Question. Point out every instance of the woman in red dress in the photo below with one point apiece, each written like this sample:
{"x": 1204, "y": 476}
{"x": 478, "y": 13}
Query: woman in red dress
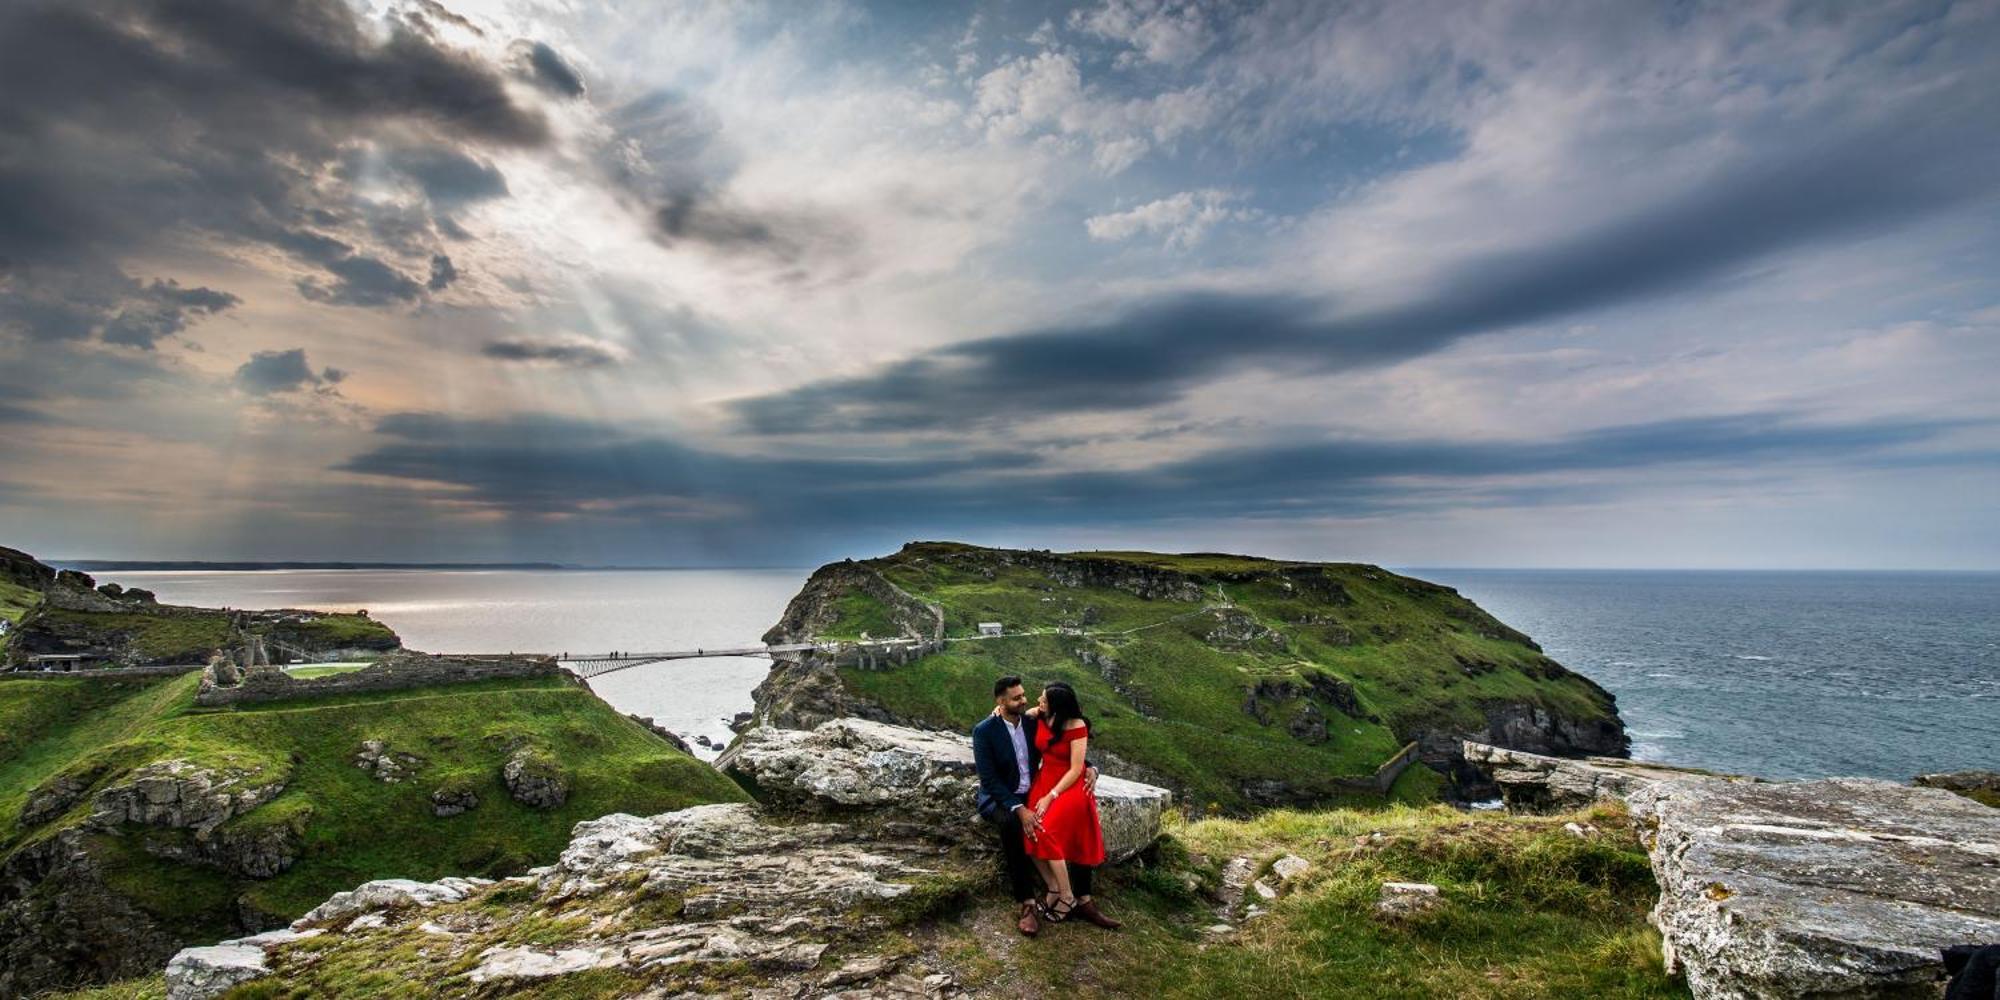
{"x": 1067, "y": 810}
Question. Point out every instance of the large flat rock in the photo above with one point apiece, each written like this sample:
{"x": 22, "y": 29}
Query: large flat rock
{"x": 855, "y": 768}
{"x": 1839, "y": 888}
{"x": 1846, "y": 887}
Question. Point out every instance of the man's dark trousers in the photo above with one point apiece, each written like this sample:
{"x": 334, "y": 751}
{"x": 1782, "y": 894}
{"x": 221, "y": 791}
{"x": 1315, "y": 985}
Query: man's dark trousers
{"x": 1014, "y": 850}
{"x": 1021, "y": 869}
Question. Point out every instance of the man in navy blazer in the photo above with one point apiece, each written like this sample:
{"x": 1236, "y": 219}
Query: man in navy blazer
{"x": 1004, "y": 752}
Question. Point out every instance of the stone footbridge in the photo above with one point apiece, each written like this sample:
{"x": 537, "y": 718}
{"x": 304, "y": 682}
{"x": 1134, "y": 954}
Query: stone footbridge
{"x": 868, "y": 652}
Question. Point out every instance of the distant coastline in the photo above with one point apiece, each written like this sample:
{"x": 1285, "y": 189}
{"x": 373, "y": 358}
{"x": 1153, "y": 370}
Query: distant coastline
{"x": 196, "y": 566}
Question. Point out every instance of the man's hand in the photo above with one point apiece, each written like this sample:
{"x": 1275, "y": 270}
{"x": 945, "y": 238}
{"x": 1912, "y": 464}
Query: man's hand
{"x": 1031, "y": 821}
{"x": 1090, "y": 780}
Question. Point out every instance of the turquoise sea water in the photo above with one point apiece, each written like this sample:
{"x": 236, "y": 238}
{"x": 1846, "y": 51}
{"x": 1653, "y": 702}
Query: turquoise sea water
{"x": 1777, "y": 674}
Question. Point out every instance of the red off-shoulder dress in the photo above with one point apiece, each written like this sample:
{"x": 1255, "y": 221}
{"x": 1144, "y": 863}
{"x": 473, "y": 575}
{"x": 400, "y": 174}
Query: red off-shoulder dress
{"x": 1070, "y": 829}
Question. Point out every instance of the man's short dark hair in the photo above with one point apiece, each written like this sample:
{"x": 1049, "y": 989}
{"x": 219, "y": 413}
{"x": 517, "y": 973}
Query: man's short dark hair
{"x": 1001, "y": 686}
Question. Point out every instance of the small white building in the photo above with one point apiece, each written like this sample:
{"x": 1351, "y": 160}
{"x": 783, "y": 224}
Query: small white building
{"x": 989, "y": 628}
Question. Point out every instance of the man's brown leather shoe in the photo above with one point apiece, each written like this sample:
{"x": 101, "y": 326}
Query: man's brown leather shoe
{"x": 1030, "y": 924}
{"x": 1090, "y": 912}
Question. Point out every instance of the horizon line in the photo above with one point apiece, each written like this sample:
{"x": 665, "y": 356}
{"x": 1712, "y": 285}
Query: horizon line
{"x": 257, "y": 565}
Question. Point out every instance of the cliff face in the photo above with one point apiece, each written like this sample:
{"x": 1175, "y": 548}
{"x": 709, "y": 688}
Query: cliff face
{"x": 1237, "y": 682}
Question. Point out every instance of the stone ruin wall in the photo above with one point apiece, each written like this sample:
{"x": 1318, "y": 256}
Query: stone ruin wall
{"x": 393, "y": 674}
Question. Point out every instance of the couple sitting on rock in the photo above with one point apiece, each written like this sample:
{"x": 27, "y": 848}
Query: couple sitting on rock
{"x": 1038, "y": 790}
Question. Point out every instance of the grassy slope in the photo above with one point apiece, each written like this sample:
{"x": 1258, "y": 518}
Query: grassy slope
{"x": 354, "y": 827}
{"x": 1529, "y": 913}
{"x": 1398, "y": 642}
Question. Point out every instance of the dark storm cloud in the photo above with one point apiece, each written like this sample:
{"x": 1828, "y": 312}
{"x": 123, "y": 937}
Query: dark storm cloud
{"x": 568, "y": 354}
{"x": 362, "y": 281}
{"x": 449, "y": 177}
{"x": 124, "y": 123}
{"x": 547, "y": 68}
{"x": 551, "y": 463}
{"x": 55, "y": 306}
{"x": 1820, "y": 192}
{"x": 548, "y": 464}
{"x": 270, "y": 372}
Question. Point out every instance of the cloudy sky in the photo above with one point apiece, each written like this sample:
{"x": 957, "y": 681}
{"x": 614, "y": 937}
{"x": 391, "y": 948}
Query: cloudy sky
{"x": 1510, "y": 283}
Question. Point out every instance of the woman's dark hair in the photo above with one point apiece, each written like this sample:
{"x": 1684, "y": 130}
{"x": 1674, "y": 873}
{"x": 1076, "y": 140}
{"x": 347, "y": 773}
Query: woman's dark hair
{"x": 1063, "y": 706}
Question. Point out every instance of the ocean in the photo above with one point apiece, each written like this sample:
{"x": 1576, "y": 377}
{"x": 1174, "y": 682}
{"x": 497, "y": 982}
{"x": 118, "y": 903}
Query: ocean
{"x": 1778, "y": 674}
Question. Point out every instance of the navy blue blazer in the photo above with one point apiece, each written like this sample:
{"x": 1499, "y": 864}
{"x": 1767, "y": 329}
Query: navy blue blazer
{"x": 993, "y": 756}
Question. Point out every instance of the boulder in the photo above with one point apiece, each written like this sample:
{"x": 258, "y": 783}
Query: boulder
{"x": 535, "y": 779}
{"x": 860, "y": 770}
{"x": 1401, "y": 900}
{"x": 200, "y": 973}
{"x": 388, "y": 894}
{"x": 388, "y": 766}
{"x": 1846, "y": 887}
{"x": 452, "y": 800}
{"x": 664, "y": 733}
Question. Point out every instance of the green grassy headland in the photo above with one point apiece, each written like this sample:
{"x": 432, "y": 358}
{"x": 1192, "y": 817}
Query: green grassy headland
{"x": 1218, "y": 694}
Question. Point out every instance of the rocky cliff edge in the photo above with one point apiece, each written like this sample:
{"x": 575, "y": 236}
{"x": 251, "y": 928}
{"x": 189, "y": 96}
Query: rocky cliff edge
{"x": 861, "y": 829}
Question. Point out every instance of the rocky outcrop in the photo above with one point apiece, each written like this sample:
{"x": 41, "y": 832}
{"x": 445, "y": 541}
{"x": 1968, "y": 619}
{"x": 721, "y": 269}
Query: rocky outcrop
{"x": 180, "y": 794}
{"x": 1979, "y": 786}
{"x": 1537, "y": 783}
{"x": 535, "y": 779}
{"x": 60, "y": 922}
{"x": 1526, "y": 727}
{"x": 1836, "y": 888}
{"x": 816, "y": 607}
{"x": 662, "y": 732}
{"x": 388, "y": 766}
{"x": 454, "y": 798}
{"x": 197, "y": 973}
{"x": 863, "y": 828}
{"x": 895, "y": 777}
{"x": 1844, "y": 887}
{"x": 805, "y": 690}
{"x": 389, "y": 894}
{"x": 25, "y": 570}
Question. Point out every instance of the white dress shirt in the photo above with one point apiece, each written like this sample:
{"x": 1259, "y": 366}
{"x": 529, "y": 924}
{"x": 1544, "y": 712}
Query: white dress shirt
{"x": 1016, "y": 733}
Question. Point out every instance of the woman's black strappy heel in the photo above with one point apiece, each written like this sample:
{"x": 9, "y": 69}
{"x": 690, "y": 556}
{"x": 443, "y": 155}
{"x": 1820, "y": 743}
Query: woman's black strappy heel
{"x": 1059, "y": 910}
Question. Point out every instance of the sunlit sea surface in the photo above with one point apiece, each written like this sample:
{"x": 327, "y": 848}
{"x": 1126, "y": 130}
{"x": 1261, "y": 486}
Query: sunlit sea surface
{"x": 1778, "y": 674}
